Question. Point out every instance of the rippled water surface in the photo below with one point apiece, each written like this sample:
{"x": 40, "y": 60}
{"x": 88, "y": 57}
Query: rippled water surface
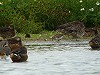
{"x": 50, "y": 58}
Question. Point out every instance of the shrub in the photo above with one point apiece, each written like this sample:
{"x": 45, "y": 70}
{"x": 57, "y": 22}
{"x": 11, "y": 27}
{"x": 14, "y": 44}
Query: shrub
{"x": 32, "y": 16}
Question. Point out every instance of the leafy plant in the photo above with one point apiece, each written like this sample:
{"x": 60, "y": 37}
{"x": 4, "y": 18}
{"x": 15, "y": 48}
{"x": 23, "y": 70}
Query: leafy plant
{"x": 33, "y": 16}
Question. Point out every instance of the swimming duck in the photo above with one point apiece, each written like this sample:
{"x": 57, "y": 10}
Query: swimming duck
{"x": 19, "y": 54}
{"x": 18, "y": 51}
{"x": 95, "y": 42}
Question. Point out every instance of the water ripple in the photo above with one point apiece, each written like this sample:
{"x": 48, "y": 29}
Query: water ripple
{"x": 67, "y": 58}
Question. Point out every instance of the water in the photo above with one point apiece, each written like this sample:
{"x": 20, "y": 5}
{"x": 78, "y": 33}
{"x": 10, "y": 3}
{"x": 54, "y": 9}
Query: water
{"x": 63, "y": 58}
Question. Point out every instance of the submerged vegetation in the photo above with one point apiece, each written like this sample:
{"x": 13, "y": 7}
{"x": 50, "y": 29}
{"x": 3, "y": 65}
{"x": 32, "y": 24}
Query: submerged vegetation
{"x": 34, "y": 16}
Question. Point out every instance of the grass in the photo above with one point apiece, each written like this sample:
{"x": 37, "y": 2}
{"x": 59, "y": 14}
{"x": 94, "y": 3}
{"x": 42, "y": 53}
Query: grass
{"x": 45, "y": 36}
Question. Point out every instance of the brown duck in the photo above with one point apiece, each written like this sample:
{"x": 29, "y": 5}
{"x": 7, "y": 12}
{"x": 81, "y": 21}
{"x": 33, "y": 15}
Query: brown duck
{"x": 18, "y": 53}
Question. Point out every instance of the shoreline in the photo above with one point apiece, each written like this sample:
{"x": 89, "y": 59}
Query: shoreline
{"x": 50, "y": 43}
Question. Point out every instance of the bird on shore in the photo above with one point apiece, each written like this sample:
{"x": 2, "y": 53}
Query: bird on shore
{"x": 27, "y": 35}
{"x": 57, "y": 37}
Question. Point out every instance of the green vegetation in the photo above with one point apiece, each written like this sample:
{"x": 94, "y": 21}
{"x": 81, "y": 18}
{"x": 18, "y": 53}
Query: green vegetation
{"x": 46, "y": 36}
{"x": 43, "y": 36}
{"x": 34, "y": 16}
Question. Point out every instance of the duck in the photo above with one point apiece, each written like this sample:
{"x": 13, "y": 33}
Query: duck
{"x": 2, "y": 55}
{"x": 95, "y": 42}
{"x": 18, "y": 54}
{"x": 27, "y": 35}
{"x": 57, "y": 37}
{"x": 4, "y": 48}
{"x": 18, "y": 51}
